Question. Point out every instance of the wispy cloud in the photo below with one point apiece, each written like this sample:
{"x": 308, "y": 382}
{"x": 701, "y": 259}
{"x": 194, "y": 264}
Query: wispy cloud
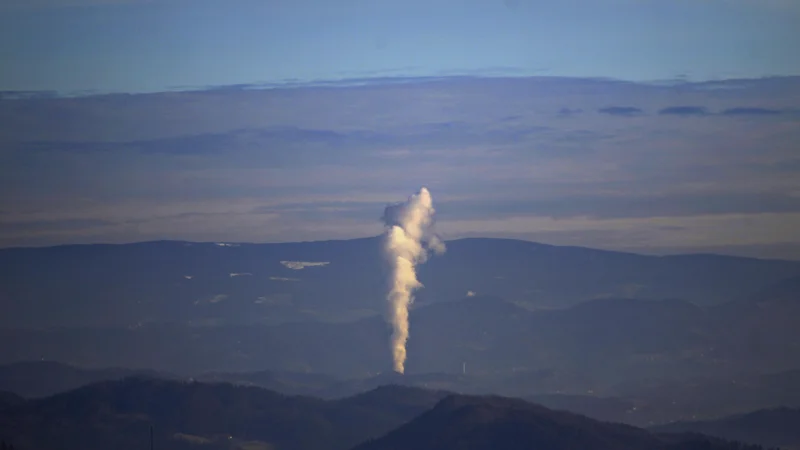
{"x": 684, "y": 111}
{"x": 750, "y": 111}
{"x": 627, "y": 111}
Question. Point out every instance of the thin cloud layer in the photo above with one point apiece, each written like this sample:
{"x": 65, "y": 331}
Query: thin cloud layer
{"x": 684, "y": 111}
{"x": 626, "y": 111}
{"x": 750, "y": 111}
{"x": 506, "y": 157}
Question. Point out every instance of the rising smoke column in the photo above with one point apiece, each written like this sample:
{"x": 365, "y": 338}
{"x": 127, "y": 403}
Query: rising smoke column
{"x": 408, "y": 237}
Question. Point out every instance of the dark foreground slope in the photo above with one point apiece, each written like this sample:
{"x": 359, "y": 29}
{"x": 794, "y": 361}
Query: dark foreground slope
{"x": 193, "y": 415}
{"x": 10, "y": 399}
{"x": 118, "y": 415}
{"x": 774, "y": 427}
{"x": 477, "y": 423}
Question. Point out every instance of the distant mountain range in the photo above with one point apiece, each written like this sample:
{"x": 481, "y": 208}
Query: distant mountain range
{"x": 595, "y": 345}
{"x": 133, "y": 285}
{"x": 118, "y": 414}
{"x": 639, "y": 405}
{"x": 289, "y": 383}
{"x": 620, "y": 337}
{"x": 190, "y": 415}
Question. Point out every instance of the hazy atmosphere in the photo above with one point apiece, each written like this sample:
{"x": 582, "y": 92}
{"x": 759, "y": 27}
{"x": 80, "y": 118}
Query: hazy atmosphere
{"x": 604, "y": 163}
{"x": 382, "y": 225}
{"x": 654, "y": 143}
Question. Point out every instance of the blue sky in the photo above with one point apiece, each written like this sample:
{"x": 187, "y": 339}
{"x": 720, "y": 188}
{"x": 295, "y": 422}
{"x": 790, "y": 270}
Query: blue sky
{"x": 135, "y": 46}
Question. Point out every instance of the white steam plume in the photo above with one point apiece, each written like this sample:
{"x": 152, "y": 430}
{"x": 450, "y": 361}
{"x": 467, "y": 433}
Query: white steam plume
{"x": 408, "y": 237}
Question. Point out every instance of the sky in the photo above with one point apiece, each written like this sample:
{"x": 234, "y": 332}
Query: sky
{"x": 636, "y": 125}
{"x": 75, "y": 46}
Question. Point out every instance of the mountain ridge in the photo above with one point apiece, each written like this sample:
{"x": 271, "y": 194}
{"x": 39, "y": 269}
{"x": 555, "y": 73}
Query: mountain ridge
{"x": 127, "y": 285}
{"x": 119, "y": 413}
{"x": 491, "y": 422}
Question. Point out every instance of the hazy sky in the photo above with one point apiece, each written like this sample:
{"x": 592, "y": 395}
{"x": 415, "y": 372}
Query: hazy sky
{"x": 118, "y": 45}
{"x": 565, "y": 157}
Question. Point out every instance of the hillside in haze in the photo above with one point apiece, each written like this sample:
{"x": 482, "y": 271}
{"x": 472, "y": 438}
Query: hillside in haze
{"x": 9, "y": 399}
{"x": 289, "y": 383}
{"x": 643, "y": 403}
{"x": 769, "y": 427}
{"x": 45, "y": 378}
{"x": 477, "y": 423}
{"x": 133, "y": 285}
{"x": 693, "y": 399}
{"x": 598, "y": 346}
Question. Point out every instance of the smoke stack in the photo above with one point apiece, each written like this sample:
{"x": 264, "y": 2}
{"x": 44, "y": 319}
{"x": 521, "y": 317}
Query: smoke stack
{"x": 407, "y": 236}
{"x": 151, "y": 437}
{"x": 464, "y": 368}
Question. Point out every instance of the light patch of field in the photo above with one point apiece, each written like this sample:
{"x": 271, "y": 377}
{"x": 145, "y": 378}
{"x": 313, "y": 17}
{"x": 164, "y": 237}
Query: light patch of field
{"x": 215, "y": 299}
{"x": 300, "y": 265}
{"x": 348, "y": 315}
{"x": 192, "y": 439}
{"x": 275, "y": 299}
{"x": 255, "y": 445}
{"x": 283, "y": 279}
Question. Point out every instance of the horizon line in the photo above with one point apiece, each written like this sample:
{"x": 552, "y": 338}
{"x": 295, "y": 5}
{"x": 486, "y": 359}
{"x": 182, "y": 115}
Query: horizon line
{"x": 365, "y": 81}
{"x": 495, "y": 238}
